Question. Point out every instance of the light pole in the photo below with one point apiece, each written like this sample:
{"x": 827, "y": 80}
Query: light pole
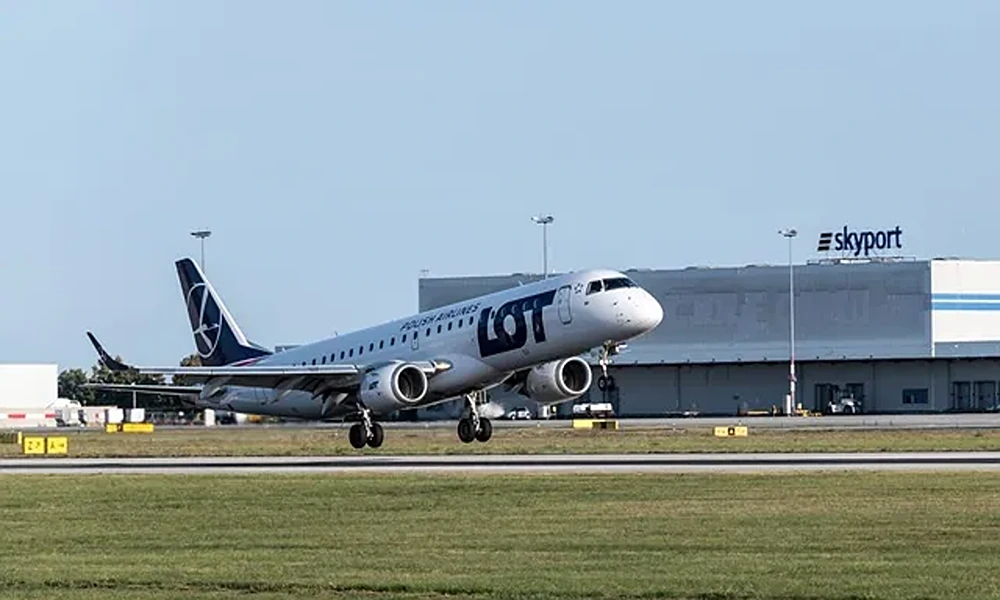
{"x": 201, "y": 234}
{"x": 544, "y": 221}
{"x": 208, "y": 416}
{"x": 790, "y": 234}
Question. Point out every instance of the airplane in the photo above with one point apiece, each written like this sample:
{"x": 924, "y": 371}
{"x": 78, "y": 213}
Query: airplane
{"x": 528, "y": 338}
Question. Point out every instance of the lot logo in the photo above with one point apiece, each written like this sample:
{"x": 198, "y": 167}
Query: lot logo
{"x": 858, "y": 242}
{"x": 504, "y": 340}
{"x": 205, "y": 312}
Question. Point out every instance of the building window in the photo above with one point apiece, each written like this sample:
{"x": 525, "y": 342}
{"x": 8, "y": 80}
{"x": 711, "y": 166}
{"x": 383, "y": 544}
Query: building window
{"x": 915, "y": 396}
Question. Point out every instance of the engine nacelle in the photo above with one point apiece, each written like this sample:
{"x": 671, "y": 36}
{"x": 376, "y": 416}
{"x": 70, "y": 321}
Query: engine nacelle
{"x": 558, "y": 381}
{"x": 393, "y": 387}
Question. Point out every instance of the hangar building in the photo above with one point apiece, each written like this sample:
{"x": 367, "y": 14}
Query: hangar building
{"x": 900, "y": 335}
{"x": 27, "y": 394}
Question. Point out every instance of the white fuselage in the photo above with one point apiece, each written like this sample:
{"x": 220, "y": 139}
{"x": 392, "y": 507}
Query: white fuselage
{"x": 484, "y": 340}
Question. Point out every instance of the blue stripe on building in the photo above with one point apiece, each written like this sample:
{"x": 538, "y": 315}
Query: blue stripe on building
{"x": 966, "y": 306}
{"x": 965, "y": 297}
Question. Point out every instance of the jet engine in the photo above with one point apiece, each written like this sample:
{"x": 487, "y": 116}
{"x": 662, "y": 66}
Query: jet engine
{"x": 393, "y": 387}
{"x": 558, "y": 381}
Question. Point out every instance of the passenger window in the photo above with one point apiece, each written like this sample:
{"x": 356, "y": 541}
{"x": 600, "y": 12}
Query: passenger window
{"x": 460, "y": 322}
{"x": 449, "y": 325}
{"x": 381, "y": 344}
{"x": 351, "y": 353}
{"x": 594, "y": 287}
{"x": 439, "y": 329}
{"x": 392, "y": 341}
{"x": 361, "y": 350}
{"x": 314, "y": 361}
{"x": 371, "y": 346}
{"x": 324, "y": 359}
{"x": 428, "y": 331}
{"x": 404, "y": 337}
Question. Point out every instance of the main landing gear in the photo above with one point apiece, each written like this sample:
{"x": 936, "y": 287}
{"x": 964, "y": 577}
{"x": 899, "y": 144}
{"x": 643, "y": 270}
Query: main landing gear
{"x": 366, "y": 432}
{"x": 605, "y": 382}
{"x": 474, "y": 427}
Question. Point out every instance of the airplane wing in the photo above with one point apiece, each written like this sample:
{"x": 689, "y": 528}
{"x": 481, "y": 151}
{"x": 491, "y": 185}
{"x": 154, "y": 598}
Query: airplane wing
{"x": 162, "y": 389}
{"x": 316, "y": 379}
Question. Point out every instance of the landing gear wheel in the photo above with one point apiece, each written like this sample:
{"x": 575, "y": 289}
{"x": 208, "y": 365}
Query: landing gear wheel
{"x": 377, "y": 436}
{"x": 485, "y": 430}
{"x": 357, "y": 435}
{"x": 466, "y": 430}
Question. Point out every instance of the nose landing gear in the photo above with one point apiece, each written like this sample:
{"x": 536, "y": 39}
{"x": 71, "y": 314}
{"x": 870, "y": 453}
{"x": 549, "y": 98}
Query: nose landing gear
{"x": 605, "y": 382}
{"x": 474, "y": 427}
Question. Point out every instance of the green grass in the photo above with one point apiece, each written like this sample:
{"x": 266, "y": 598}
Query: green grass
{"x": 820, "y": 536}
{"x": 250, "y": 441}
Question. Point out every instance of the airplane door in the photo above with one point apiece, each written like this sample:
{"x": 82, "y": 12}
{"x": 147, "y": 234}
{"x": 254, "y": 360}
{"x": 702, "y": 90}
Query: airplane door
{"x": 415, "y": 344}
{"x": 562, "y": 298}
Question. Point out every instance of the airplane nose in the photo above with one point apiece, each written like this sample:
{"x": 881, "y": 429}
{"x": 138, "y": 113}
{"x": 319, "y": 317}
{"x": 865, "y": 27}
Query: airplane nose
{"x": 648, "y": 313}
{"x": 652, "y": 312}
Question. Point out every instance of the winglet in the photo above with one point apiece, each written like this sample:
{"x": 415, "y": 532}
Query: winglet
{"x": 106, "y": 359}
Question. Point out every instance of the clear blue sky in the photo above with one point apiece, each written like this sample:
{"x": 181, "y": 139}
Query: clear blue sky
{"x": 338, "y": 148}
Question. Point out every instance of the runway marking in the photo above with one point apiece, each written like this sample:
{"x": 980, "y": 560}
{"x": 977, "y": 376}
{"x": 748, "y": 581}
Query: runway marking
{"x": 743, "y": 462}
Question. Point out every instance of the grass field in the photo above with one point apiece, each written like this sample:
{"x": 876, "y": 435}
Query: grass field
{"x": 277, "y": 441}
{"x": 819, "y": 536}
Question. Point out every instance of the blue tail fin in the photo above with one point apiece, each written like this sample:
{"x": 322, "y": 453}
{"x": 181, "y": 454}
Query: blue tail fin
{"x": 217, "y": 338}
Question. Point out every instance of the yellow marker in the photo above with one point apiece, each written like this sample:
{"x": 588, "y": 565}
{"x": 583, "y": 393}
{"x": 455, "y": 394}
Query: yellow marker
{"x": 137, "y": 428}
{"x": 34, "y": 445}
{"x": 731, "y": 431}
{"x": 111, "y": 428}
{"x": 56, "y": 445}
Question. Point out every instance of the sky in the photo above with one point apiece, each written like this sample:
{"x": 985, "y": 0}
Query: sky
{"x": 336, "y": 149}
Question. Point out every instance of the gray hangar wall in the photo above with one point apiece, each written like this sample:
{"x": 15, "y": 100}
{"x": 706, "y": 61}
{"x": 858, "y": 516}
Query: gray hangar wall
{"x": 724, "y": 341}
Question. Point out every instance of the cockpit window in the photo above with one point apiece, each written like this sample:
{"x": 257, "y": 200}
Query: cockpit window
{"x": 618, "y": 282}
{"x": 594, "y": 287}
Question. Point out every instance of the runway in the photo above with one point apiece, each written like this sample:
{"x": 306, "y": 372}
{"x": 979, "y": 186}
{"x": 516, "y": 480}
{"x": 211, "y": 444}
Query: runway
{"x": 828, "y": 422}
{"x": 572, "y": 463}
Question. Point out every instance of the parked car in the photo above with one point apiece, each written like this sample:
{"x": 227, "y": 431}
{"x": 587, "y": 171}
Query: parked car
{"x": 518, "y": 414}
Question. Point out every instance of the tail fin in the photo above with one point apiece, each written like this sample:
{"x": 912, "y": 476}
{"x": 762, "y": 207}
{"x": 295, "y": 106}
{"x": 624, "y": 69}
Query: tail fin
{"x": 217, "y": 338}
